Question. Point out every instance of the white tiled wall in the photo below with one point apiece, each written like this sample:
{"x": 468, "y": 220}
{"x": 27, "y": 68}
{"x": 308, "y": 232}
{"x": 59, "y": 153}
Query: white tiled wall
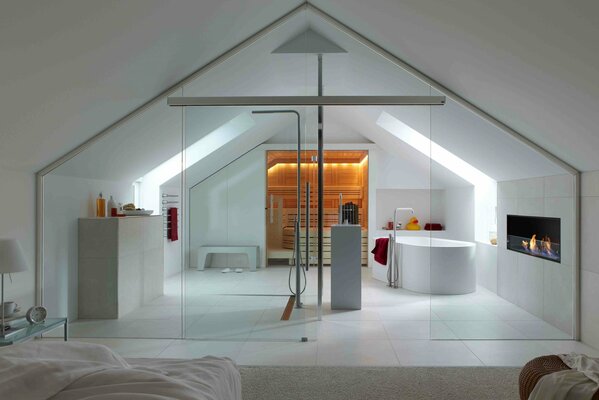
{"x": 589, "y": 296}
{"x": 543, "y": 288}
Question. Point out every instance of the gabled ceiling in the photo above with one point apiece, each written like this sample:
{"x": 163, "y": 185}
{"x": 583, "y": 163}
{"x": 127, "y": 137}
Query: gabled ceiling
{"x": 534, "y": 65}
{"x": 71, "y": 68}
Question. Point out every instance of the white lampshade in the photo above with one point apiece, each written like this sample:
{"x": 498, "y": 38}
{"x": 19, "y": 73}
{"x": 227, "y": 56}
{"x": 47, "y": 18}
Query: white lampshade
{"x": 11, "y": 257}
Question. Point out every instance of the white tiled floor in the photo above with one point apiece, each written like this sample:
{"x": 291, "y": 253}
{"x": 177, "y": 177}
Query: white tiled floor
{"x": 351, "y": 352}
{"x": 229, "y": 315}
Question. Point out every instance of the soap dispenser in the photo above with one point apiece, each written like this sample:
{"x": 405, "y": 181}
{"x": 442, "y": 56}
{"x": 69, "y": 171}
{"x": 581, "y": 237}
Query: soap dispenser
{"x": 112, "y": 207}
{"x": 100, "y": 206}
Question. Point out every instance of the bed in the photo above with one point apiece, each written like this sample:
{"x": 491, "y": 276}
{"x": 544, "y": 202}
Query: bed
{"x": 573, "y": 376}
{"x": 76, "y": 370}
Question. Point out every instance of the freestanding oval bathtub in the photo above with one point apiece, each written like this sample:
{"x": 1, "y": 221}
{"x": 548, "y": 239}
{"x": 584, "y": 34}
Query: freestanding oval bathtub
{"x": 437, "y": 266}
{"x": 433, "y": 265}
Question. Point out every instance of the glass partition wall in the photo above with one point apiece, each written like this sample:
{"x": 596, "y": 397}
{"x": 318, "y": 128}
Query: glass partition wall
{"x": 247, "y": 178}
{"x": 502, "y": 267}
{"x": 234, "y": 199}
{"x": 111, "y": 240}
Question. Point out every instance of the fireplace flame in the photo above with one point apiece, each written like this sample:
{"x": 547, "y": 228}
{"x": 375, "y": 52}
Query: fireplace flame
{"x": 533, "y": 244}
{"x": 539, "y": 247}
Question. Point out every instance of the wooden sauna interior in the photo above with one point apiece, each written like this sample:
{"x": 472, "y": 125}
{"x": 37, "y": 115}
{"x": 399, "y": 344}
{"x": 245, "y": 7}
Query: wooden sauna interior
{"x": 345, "y": 172}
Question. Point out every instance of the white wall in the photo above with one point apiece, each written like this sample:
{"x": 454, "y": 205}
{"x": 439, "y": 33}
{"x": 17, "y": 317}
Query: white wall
{"x": 428, "y": 205}
{"x": 397, "y": 173}
{"x": 486, "y": 266}
{"x": 589, "y": 262}
{"x": 66, "y": 199}
{"x": 459, "y": 213}
{"x": 17, "y": 220}
{"x": 544, "y": 288}
{"x": 229, "y": 209}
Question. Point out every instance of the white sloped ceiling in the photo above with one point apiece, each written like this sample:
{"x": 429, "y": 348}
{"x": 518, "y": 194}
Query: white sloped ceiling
{"x": 72, "y": 68}
{"x": 534, "y": 64}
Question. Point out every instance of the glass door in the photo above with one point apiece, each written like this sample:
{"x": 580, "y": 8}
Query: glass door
{"x": 247, "y": 173}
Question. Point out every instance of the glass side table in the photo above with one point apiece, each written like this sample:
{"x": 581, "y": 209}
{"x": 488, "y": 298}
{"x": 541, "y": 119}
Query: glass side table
{"x": 30, "y": 331}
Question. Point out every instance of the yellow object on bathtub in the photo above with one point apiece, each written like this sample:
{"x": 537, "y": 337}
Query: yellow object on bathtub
{"x": 413, "y": 224}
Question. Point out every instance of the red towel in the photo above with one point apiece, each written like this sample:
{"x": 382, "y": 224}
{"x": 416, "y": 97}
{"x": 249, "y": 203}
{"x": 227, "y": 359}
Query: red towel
{"x": 173, "y": 224}
{"x": 380, "y": 250}
{"x": 433, "y": 227}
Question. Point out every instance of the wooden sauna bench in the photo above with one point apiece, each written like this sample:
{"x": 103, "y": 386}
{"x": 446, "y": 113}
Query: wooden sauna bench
{"x": 288, "y": 236}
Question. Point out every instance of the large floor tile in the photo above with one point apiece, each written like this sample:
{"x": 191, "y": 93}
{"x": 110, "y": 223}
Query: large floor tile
{"x": 441, "y": 331}
{"x": 285, "y": 330}
{"x": 408, "y": 329}
{"x": 100, "y": 328}
{"x": 406, "y": 312}
{"x": 278, "y": 353}
{"x": 156, "y": 312}
{"x": 506, "y": 353}
{"x": 156, "y": 329}
{"x": 351, "y": 330}
{"x": 356, "y": 353}
{"x": 569, "y": 346}
{"x": 471, "y": 312}
{"x": 484, "y": 330}
{"x": 510, "y": 312}
{"x": 538, "y": 330}
{"x": 215, "y": 328}
{"x": 434, "y": 353}
{"x": 132, "y": 348}
{"x": 365, "y": 314}
{"x": 199, "y": 348}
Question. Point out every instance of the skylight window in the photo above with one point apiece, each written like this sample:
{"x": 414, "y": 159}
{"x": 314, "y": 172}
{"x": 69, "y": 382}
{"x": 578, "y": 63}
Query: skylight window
{"x": 200, "y": 149}
{"x": 432, "y": 150}
{"x": 148, "y": 195}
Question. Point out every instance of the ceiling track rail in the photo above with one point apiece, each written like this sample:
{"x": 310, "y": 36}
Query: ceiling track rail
{"x": 306, "y": 101}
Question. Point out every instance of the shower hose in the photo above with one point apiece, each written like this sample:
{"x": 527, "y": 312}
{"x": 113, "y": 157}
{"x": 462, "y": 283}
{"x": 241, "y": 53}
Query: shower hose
{"x": 299, "y": 265}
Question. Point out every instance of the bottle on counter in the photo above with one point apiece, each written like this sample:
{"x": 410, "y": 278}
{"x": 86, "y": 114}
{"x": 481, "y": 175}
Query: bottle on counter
{"x": 112, "y": 207}
{"x": 100, "y": 206}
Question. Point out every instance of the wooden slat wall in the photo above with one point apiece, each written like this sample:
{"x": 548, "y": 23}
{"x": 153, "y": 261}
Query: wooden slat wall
{"x": 350, "y": 179}
{"x": 345, "y": 172}
{"x": 288, "y": 238}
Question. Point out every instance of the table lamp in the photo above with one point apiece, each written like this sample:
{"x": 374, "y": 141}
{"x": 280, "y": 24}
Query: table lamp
{"x": 11, "y": 260}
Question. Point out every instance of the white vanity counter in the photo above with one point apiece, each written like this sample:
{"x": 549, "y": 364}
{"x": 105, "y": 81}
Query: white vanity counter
{"x": 121, "y": 264}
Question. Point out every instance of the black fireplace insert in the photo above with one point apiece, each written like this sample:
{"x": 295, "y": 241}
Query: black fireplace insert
{"x": 534, "y": 236}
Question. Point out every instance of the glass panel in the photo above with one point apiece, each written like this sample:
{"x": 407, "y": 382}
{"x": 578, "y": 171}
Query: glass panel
{"x": 257, "y": 71}
{"x": 117, "y": 276}
{"x": 492, "y": 289}
{"x": 242, "y": 178}
{"x": 401, "y": 171}
{"x": 283, "y": 63}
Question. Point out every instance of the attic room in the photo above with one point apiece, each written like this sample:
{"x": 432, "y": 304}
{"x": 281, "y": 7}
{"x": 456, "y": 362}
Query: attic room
{"x": 305, "y": 197}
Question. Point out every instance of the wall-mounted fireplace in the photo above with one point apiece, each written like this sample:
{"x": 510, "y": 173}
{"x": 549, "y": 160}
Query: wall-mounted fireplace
{"x": 535, "y": 236}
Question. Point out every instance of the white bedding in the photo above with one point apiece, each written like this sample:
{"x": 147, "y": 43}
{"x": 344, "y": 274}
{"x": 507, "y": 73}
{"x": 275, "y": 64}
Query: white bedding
{"x": 75, "y": 370}
{"x": 580, "y": 382}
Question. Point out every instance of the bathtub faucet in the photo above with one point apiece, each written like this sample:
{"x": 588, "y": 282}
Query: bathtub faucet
{"x": 411, "y": 210}
{"x": 393, "y": 273}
